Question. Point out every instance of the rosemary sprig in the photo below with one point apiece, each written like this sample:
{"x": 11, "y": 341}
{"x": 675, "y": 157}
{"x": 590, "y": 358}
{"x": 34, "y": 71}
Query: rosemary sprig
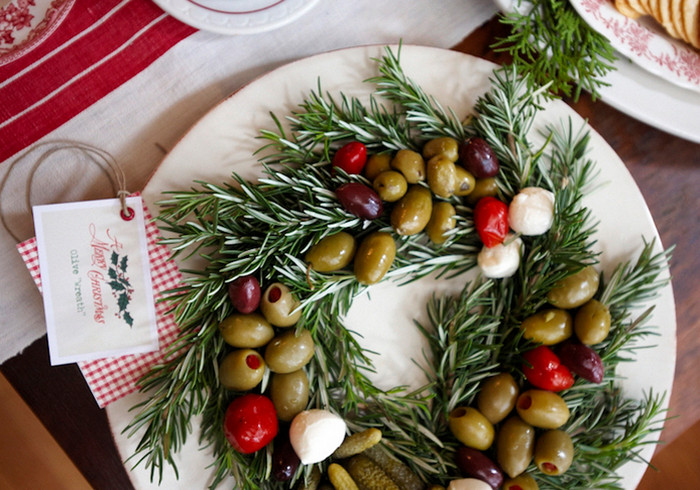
{"x": 550, "y": 42}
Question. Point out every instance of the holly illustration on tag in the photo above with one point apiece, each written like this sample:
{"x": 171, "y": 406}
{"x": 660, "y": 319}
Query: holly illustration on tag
{"x": 121, "y": 287}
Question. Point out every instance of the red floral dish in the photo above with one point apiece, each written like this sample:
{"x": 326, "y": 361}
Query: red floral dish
{"x": 24, "y": 24}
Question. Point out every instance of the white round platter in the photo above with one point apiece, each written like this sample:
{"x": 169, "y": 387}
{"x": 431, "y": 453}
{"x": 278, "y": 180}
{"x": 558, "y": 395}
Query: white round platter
{"x": 224, "y": 141}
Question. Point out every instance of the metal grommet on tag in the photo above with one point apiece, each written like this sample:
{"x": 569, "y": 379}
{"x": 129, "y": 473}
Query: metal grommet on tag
{"x": 128, "y": 214}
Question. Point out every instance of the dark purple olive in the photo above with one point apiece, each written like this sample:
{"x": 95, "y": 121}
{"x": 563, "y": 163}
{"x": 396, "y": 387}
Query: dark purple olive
{"x": 284, "y": 460}
{"x": 583, "y": 361}
{"x": 360, "y": 200}
{"x": 474, "y": 464}
{"x": 477, "y": 157}
{"x": 245, "y": 294}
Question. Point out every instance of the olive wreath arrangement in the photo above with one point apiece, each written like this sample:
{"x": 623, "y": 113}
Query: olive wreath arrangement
{"x": 516, "y": 383}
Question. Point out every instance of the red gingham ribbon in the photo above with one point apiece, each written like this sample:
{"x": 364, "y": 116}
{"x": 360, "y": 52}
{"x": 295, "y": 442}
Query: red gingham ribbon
{"x": 114, "y": 377}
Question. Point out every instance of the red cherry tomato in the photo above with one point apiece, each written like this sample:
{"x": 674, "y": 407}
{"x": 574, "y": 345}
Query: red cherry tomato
{"x": 250, "y": 423}
{"x": 351, "y": 157}
{"x": 543, "y": 369}
{"x": 491, "y": 220}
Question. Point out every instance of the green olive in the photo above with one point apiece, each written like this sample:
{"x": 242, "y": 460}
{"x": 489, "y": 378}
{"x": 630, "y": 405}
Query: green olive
{"x": 441, "y": 221}
{"x": 446, "y": 146}
{"x": 592, "y": 322}
{"x": 279, "y": 306}
{"x": 241, "y": 370}
{"x": 543, "y": 409}
{"x": 464, "y": 183}
{"x": 376, "y": 164}
{"x": 332, "y": 252}
{"x": 497, "y": 397}
{"x": 515, "y": 446}
{"x": 521, "y": 482}
{"x": 289, "y": 393}
{"x": 410, "y": 164}
{"x": 471, "y": 428}
{"x": 575, "y": 290}
{"x": 390, "y": 185}
{"x": 374, "y": 257}
{"x": 289, "y": 351}
{"x": 548, "y": 327}
{"x": 246, "y": 330}
{"x": 412, "y": 213}
{"x": 554, "y": 452}
{"x": 442, "y": 176}
{"x": 482, "y": 188}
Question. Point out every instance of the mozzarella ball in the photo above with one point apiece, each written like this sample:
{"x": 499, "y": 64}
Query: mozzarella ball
{"x": 315, "y": 434}
{"x": 468, "y": 484}
{"x": 502, "y": 260}
{"x": 531, "y": 212}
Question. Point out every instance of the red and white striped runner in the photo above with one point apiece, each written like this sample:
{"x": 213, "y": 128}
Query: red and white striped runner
{"x": 97, "y": 47}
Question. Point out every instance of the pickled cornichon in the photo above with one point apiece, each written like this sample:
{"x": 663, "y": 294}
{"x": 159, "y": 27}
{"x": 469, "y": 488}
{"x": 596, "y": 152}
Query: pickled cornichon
{"x": 367, "y": 474}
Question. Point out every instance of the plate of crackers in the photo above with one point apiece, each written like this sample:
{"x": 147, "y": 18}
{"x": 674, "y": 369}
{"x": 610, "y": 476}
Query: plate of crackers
{"x": 661, "y": 36}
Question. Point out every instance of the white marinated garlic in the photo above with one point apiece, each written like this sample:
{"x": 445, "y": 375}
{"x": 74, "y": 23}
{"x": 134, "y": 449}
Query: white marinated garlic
{"x": 531, "y": 212}
{"x": 315, "y": 434}
{"x": 501, "y": 260}
{"x": 468, "y": 484}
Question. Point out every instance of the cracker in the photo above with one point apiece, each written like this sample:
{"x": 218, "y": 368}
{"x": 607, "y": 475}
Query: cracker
{"x": 691, "y": 21}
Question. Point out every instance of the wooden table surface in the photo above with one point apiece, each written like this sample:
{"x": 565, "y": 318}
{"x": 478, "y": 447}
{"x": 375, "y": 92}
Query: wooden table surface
{"x": 667, "y": 170}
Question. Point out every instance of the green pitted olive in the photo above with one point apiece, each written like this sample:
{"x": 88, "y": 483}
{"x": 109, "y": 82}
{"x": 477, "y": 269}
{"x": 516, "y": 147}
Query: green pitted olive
{"x": 548, "y": 327}
{"x": 241, "y": 370}
{"x": 279, "y": 306}
{"x": 522, "y": 482}
{"x": 446, "y": 146}
{"x": 332, "y": 252}
{"x": 464, "y": 183}
{"x": 497, "y": 396}
{"x": 376, "y": 164}
{"x": 441, "y": 221}
{"x": 554, "y": 452}
{"x": 543, "y": 409}
{"x": 390, "y": 185}
{"x": 442, "y": 176}
{"x": 471, "y": 428}
{"x": 410, "y": 164}
{"x": 246, "y": 330}
{"x": 289, "y": 393}
{"x": 515, "y": 446}
{"x": 289, "y": 351}
{"x": 574, "y": 290}
{"x": 374, "y": 257}
{"x": 412, "y": 213}
{"x": 592, "y": 322}
{"x": 482, "y": 188}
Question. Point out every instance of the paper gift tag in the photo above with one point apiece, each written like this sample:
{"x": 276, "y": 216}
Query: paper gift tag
{"x": 98, "y": 296}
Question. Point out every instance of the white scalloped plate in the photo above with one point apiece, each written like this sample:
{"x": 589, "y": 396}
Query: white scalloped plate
{"x": 644, "y": 42}
{"x": 236, "y": 16}
{"x": 224, "y": 142}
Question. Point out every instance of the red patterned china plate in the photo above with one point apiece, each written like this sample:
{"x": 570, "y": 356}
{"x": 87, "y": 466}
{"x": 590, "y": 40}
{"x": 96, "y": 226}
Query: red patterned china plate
{"x": 24, "y": 24}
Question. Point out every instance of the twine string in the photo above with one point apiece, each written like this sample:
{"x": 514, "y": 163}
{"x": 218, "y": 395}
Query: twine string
{"x": 102, "y": 159}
